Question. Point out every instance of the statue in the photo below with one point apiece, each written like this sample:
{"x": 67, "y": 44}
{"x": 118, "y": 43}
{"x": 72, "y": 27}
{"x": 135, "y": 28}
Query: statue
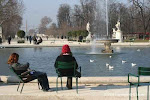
{"x": 118, "y": 25}
{"x": 89, "y": 37}
{"x": 117, "y": 34}
{"x": 0, "y": 31}
{"x": 114, "y": 33}
{"x": 88, "y": 27}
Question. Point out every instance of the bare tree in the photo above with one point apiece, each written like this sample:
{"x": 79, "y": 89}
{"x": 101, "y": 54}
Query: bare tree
{"x": 52, "y": 30}
{"x": 141, "y": 11}
{"x": 32, "y": 32}
{"x": 63, "y": 15}
{"x": 10, "y": 8}
{"x": 10, "y": 16}
{"x": 45, "y": 21}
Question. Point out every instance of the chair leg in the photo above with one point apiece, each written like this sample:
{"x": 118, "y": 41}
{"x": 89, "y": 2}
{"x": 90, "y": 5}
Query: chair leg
{"x": 22, "y": 88}
{"x": 130, "y": 93}
{"x": 38, "y": 85}
{"x": 137, "y": 92}
{"x": 57, "y": 84}
{"x": 77, "y": 85}
{"x": 18, "y": 86}
{"x": 61, "y": 83}
{"x": 148, "y": 92}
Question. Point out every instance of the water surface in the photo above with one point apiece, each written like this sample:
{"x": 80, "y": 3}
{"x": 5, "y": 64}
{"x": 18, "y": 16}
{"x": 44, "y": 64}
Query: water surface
{"x": 43, "y": 59}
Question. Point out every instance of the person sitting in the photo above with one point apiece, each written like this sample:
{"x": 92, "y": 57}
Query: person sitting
{"x": 66, "y": 56}
{"x": 34, "y": 40}
{"x": 39, "y": 40}
{"x": 26, "y": 73}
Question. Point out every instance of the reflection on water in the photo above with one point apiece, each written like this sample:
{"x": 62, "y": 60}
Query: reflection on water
{"x": 43, "y": 59}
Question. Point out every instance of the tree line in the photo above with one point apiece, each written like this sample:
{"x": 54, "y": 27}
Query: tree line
{"x": 133, "y": 15}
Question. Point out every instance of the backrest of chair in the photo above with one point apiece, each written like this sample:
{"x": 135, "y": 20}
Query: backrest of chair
{"x": 144, "y": 71}
{"x": 66, "y": 65}
{"x": 12, "y": 70}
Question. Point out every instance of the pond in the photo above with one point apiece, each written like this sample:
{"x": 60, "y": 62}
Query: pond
{"x": 43, "y": 59}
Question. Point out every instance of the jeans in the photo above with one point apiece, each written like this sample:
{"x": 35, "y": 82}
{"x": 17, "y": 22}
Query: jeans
{"x": 42, "y": 79}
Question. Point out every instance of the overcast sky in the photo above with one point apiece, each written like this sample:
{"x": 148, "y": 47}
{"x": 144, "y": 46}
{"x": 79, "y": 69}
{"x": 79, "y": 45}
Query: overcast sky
{"x": 37, "y": 9}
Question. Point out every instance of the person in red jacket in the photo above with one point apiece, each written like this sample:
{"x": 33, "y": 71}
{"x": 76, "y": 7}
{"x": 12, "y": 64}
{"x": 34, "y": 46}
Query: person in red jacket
{"x": 66, "y": 56}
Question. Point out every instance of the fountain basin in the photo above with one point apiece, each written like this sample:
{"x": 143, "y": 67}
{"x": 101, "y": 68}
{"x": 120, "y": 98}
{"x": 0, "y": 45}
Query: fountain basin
{"x": 107, "y": 41}
{"x": 107, "y": 44}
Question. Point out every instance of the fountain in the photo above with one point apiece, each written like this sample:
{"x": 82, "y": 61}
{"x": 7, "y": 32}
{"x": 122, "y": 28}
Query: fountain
{"x": 107, "y": 41}
{"x": 107, "y": 44}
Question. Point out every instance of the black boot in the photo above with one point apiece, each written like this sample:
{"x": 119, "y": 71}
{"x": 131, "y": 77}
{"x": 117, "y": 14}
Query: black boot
{"x": 69, "y": 83}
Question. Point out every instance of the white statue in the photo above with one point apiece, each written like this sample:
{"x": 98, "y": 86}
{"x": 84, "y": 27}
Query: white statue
{"x": 117, "y": 34}
{"x": 0, "y": 31}
{"x": 88, "y": 27}
{"x": 118, "y": 25}
{"x": 114, "y": 33}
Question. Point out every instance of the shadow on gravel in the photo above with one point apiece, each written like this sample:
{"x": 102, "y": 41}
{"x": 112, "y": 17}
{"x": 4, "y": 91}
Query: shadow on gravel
{"x": 7, "y": 84}
{"x": 106, "y": 87}
{"x": 74, "y": 87}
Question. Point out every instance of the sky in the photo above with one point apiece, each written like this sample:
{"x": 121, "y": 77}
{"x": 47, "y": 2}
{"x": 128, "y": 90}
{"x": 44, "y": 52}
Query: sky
{"x": 35, "y": 10}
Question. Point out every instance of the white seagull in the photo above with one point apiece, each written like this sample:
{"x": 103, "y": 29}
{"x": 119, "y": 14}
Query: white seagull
{"x": 91, "y": 60}
{"x": 133, "y": 64}
{"x": 107, "y": 64}
{"x": 138, "y": 50}
{"x": 123, "y": 61}
{"x": 111, "y": 67}
{"x": 110, "y": 56}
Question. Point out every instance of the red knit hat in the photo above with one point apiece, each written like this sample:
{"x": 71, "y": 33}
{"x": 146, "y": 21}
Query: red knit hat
{"x": 66, "y": 49}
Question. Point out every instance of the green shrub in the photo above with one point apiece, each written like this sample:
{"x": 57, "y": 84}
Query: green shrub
{"x": 71, "y": 40}
{"x": 84, "y": 40}
{"x": 75, "y": 34}
{"x": 21, "y": 41}
{"x": 21, "y": 33}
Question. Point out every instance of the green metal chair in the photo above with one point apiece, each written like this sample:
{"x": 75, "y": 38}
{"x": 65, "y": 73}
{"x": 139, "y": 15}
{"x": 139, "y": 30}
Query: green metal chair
{"x": 21, "y": 80}
{"x": 142, "y": 71}
{"x": 66, "y": 66}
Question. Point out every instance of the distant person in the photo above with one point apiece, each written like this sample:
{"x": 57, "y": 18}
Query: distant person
{"x": 80, "y": 38}
{"x": 30, "y": 39}
{"x": 34, "y": 40}
{"x": 9, "y": 39}
{"x": 0, "y": 40}
{"x": 39, "y": 40}
{"x": 62, "y": 37}
{"x": 19, "y": 69}
{"x": 58, "y": 37}
{"x": 27, "y": 37}
{"x": 47, "y": 37}
{"x": 66, "y": 56}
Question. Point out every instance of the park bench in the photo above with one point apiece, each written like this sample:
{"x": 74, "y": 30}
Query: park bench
{"x": 22, "y": 79}
{"x": 65, "y": 66}
{"x": 142, "y": 71}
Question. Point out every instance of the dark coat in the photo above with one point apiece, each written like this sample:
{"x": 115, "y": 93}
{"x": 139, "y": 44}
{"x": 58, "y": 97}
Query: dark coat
{"x": 66, "y": 58}
{"x": 20, "y": 68}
